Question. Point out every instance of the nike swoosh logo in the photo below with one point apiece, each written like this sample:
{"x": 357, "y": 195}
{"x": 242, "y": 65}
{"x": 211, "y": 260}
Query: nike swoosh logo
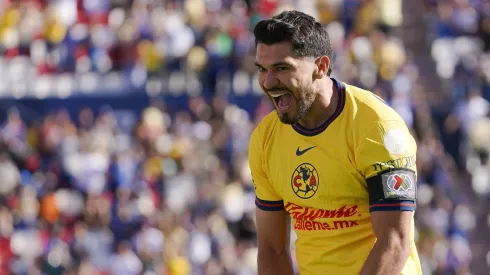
{"x": 301, "y": 152}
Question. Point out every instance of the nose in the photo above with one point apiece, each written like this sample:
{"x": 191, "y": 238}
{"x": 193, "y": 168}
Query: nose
{"x": 270, "y": 81}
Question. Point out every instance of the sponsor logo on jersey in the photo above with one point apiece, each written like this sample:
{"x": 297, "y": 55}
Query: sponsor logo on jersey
{"x": 305, "y": 181}
{"x": 316, "y": 226}
{"x": 307, "y": 218}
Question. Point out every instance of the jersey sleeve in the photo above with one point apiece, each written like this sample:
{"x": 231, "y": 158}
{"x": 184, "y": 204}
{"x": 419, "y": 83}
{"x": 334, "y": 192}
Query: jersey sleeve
{"x": 265, "y": 196}
{"x": 387, "y": 160}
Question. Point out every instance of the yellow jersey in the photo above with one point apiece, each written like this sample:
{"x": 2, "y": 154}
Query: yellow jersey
{"x": 329, "y": 179}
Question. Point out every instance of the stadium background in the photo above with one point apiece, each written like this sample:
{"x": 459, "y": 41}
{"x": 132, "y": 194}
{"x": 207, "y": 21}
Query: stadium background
{"x": 125, "y": 125}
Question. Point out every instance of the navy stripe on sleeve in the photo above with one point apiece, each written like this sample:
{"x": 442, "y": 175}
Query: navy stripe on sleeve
{"x": 269, "y": 205}
{"x": 392, "y": 205}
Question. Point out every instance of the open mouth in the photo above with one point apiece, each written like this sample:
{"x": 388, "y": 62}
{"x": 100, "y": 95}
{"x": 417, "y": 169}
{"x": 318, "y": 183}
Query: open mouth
{"x": 282, "y": 100}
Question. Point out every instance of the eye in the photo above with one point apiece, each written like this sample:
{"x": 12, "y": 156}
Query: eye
{"x": 282, "y": 68}
{"x": 260, "y": 69}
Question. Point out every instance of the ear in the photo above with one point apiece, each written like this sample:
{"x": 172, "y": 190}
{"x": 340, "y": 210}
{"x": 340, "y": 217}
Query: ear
{"x": 322, "y": 63}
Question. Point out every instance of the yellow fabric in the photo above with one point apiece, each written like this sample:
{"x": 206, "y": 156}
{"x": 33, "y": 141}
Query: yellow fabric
{"x": 325, "y": 189}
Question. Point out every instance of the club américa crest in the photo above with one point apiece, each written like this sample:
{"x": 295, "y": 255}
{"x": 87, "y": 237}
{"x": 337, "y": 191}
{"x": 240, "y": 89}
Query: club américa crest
{"x": 305, "y": 181}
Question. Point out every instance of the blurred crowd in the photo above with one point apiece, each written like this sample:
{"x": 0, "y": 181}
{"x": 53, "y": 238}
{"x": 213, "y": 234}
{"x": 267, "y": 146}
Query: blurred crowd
{"x": 169, "y": 192}
{"x": 460, "y": 48}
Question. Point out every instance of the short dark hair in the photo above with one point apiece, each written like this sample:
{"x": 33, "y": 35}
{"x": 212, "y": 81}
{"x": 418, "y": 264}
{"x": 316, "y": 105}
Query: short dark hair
{"x": 308, "y": 37}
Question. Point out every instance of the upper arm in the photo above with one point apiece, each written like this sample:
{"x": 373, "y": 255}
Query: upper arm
{"x": 273, "y": 230}
{"x": 392, "y": 226}
{"x": 267, "y": 198}
{"x": 387, "y": 160}
{"x": 272, "y": 220}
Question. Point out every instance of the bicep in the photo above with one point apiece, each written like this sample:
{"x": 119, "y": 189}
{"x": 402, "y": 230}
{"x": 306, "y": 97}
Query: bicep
{"x": 392, "y": 225}
{"x": 273, "y": 229}
{"x": 387, "y": 160}
{"x": 392, "y": 202}
{"x": 272, "y": 221}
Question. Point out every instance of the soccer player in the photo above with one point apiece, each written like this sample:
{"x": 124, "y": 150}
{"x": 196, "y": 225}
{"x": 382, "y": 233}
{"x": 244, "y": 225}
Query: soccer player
{"x": 334, "y": 158}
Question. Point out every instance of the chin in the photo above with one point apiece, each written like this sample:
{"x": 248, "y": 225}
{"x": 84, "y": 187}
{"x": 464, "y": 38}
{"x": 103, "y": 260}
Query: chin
{"x": 286, "y": 118}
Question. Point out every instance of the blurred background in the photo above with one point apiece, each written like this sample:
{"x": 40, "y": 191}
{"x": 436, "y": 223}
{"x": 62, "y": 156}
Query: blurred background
{"x": 125, "y": 124}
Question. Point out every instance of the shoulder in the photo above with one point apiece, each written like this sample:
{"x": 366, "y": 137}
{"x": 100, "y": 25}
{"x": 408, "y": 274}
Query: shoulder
{"x": 369, "y": 111}
{"x": 264, "y": 130}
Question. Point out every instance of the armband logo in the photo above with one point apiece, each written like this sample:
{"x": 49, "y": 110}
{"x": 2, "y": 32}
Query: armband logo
{"x": 399, "y": 184}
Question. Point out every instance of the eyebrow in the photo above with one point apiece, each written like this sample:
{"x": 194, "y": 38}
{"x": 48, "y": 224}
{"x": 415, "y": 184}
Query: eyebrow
{"x": 277, "y": 64}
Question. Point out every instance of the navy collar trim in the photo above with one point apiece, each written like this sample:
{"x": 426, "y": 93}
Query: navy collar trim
{"x": 340, "y": 106}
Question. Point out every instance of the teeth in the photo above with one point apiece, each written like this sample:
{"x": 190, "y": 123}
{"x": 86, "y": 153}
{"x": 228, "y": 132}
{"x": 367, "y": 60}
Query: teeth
{"x": 278, "y": 95}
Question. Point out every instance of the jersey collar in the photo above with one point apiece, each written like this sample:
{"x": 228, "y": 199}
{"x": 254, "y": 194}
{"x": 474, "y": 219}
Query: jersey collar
{"x": 340, "y": 106}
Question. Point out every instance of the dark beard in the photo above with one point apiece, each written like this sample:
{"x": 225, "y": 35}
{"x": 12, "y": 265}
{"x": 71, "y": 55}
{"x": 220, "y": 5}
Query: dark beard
{"x": 305, "y": 101}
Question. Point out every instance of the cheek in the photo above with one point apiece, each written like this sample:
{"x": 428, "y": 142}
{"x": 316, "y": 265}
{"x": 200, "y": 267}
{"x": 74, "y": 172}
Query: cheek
{"x": 288, "y": 82}
{"x": 260, "y": 78}
{"x": 297, "y": 80}
{"x": 295, "y": 84}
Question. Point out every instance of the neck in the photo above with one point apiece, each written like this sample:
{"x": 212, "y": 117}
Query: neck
{"x": 323, "y": 107}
